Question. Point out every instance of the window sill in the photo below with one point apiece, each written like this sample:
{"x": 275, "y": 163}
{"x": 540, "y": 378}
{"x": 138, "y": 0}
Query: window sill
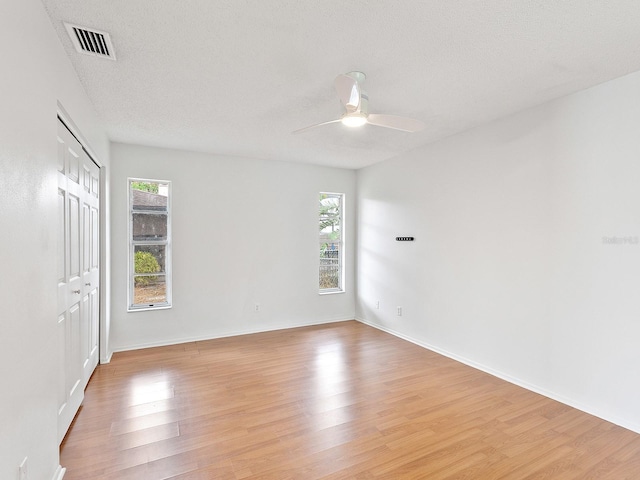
{"x": 330, "y": 291}
{"x": 146, "y": 309}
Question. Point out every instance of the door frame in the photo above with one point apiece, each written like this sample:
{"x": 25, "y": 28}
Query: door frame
{"x": 104, "y": 354}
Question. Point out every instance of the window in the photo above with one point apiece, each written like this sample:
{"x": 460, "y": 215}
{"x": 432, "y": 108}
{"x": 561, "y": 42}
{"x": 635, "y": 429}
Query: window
{"x": 149, "y": 244}
{"x": 331, "y": 221}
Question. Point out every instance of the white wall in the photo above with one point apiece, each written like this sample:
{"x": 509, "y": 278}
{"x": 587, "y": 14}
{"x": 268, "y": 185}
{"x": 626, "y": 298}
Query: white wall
{"x": 244, "y": 232}
{"x": 36, "y": 74}
{"x": 509, "y": 271}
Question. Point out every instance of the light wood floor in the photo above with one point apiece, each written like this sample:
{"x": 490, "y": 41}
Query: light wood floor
{"x": 336, "y": 401}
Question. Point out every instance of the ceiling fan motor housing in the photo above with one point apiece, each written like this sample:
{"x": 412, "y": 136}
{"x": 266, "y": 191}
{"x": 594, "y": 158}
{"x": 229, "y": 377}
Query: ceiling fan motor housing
{"x": 357, "y": 76}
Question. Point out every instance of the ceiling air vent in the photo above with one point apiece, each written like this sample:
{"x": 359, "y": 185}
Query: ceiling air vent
{"x": 91, "y": 42}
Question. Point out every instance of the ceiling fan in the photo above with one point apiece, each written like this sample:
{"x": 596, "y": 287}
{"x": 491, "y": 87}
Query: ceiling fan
{"x": 356, "y": 105}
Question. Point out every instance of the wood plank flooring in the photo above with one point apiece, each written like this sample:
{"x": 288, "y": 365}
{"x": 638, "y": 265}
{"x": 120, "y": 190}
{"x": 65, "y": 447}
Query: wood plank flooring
{"x": 338, "y": 401}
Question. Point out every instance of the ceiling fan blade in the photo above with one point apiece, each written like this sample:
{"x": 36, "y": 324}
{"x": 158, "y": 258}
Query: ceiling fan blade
{"x": 393, "y": 121}
{"x": 314, "y": 126}
{"x": 348, "y": 92}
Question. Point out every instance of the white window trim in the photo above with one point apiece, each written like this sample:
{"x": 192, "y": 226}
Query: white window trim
{"x": 341, "y": 289}
{"x": 130, "y": 257}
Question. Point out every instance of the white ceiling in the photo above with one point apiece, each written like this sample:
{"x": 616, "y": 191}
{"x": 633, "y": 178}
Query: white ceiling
{"x": 237, "y": 77}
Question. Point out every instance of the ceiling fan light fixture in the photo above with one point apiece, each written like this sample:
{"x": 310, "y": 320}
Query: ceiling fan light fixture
{"x": 355, "y": 103}
{"x": 354, "y": 120}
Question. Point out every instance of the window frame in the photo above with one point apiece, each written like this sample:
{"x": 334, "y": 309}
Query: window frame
{"x": 131, "y": 274}
{"x": 341, "y": 245}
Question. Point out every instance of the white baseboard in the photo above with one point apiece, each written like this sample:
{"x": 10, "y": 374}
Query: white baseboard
{"x": 59, "y": 473}
{"x": 107, "y": 359}
{"x": 126, "y": 348}
{"x": 629, "y": 425}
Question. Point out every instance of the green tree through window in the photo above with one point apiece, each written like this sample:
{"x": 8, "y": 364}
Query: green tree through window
{"x": 331, "y": 242}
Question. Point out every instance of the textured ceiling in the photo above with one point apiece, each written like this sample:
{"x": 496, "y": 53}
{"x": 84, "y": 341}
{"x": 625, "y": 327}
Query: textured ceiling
{"x": 237, "y": 77}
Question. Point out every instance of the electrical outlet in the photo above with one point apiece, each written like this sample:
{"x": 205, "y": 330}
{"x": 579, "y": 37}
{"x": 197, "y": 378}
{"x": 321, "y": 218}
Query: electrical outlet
{"x": 256, "y": 308}
{"x": 399, "y": 312}
{"x": 23, "y": 470}
{"x": 378, "y": 305}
